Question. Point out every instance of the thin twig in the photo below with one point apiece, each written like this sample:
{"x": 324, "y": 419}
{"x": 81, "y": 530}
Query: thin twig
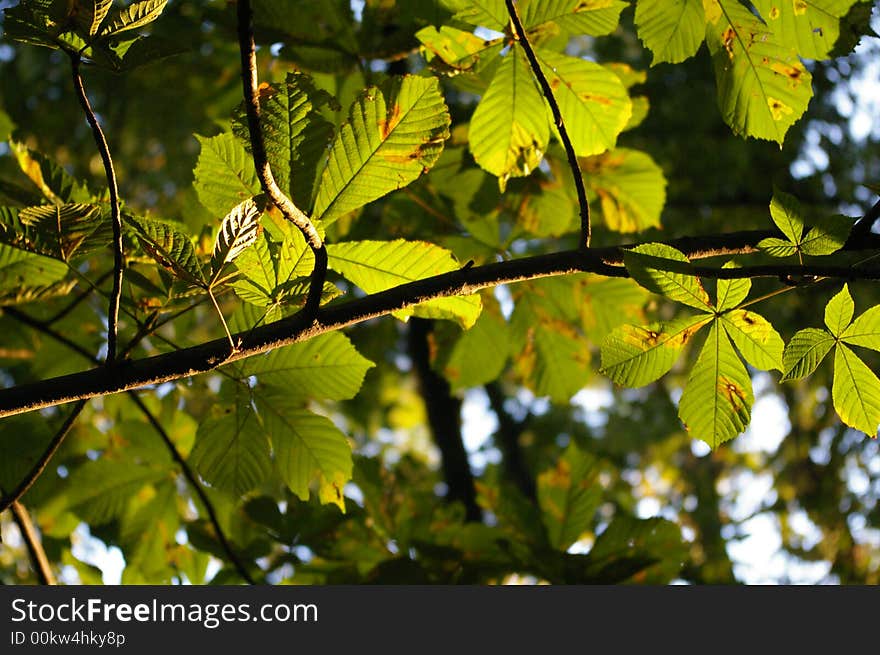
{"x": 76, "y": 302}
{"x": 576, "y": 172}
{"x": 250, "y": 85}
{"x": 197, "y": 487}
{"x": 38, "y": 468}
{"x": 862, "y": 227}
{"x": 115, "y": 214}
{"x": 34, "y": 547}
{"x": 187, "y": 472}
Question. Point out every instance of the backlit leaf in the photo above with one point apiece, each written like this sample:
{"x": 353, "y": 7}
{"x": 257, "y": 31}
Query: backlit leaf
{"x": 731, "y": 293}
{"x": 865, "y": 330}
{"x": 671, "y": 29}
{"x": 786, "y": 213}
{"x": 811, "y": 27}
{"x": 754, "y": 336}
{"x": 716, "y": 403}
{"x": 839, "y": 311}
{"x": 827, "y": 235}
{"x": 172, "y": 249}
{"x": 394, "y": 133}
{"x": 573, "y": 16}
{"x": 238, "y": 230}
{"x": 224, "y": 174}
{"x": 134, "y": 16}
{"x": 804, "y": 352}
{"x": 458, "y": 50}
{"x": 646, "y": 262}
{"x": 569, "y": 494}
{"x": 20, "y": 268}
{"x": 777, "y": 247}
{"x": 855, "y": 392}
{"x": 631, "y": 188}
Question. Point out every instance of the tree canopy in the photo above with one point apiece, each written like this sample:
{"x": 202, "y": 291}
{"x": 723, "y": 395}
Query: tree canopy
{"x": 439, "y": 291}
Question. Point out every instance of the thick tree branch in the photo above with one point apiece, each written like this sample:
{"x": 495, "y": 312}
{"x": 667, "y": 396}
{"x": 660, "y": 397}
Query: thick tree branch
{"x": 299, "y": 327}
{"x": 444, "y": 419}
{"x": 34, "y": 547}
{"x": 576, "y": 172}
{"x": 291, "y": 212}
{"x": 115, "y": 215}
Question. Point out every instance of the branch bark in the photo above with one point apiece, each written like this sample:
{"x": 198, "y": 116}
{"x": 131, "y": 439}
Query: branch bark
{"x": 115, "y": 215}
{"x": 208, "y": 356}
{"x": 250, "y": 86}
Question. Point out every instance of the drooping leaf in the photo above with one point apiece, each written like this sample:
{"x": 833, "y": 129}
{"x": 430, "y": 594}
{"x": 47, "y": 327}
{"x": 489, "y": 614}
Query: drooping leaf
{"x": 804, "y": 352}
{"x": 855, "y": 392}
{"x": 326, "y": 367}
{"x": 225, "y": 175}
{"x": 631, "y": 189}
{"x": 671, "y": 29}
{"x": 569, "y": 494}
{"x": 763, "y": 88}
{"x": 810, "y": 27}
{"x": 378, "y": 265}
{"x": 839, "y": 311}
{"x": 307, "y": 447}
{"x": 295, "y": 134}
{"x": 231, "y": 451}
{"x": 238, "y": 231}
{"x": 646, "y": 263}
{"x": 593, "y": 101}
{"x": 172, "y": 249}
{"x": 635, "y": 356}
{"x": 509, "y": 131}
{"x": 134, "y": 16}
{"x": 865, "y": 330}
{"x": 394, "y": 133}
{"x": 758, "y": 342}
{"x": 717, "y": 399}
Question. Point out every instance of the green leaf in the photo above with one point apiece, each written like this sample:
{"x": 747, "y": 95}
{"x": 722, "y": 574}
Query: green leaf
{"x": 648, "y": 551}
{"x": 635, "y": 356}
{"x": 325, "y": 367}
{"x": 573, "y": 16}
{"x": 777, "y": 247}
{"x": 478, "y": 355}
{"x": 53, "y": 181}
{"x": 487, "y": 13}
{"x": 91, "y": 14}
{"x": 757, "y": 340}
{"x": 135, "y": 15}
{"x": 20, "y": 268}
{"x": 631, "y": 189}
{"x": 671, "y": 29}
{"x": 607, "y": 303}
{"x": 231, "y": 451}
{"x": 378, "y": 265}
{"x": 224, "y": 175}
{"x": 64, "y": 230}
{"x": 810, "y": 27}
{"x": 839, "y": 311}
{"x": 238, "y": 231}
{"x": 569, "y": 494}
{"x": 763, "y": 88}
{"x": 805, "y": 352}
{"x": 644, "y": 261}
{"x": 509, "y": 131}
{"x": 173, "y": 250}
{"x": 394, "y": 133}
{"x": 295, "y": 133}
{"x": 307, "y": 446}
{"x": 594, "y": 102}
{"x": 827, "y": 235}
{"x": 865, "y": 330}
{"x": 855, "y": 392}
{"x": 459, "y": 51}
{"x": 731, "y": 293}
{"x": 716, "y": 403}
{"x": 6, "y": 126}
{"x": 785, "y": 210}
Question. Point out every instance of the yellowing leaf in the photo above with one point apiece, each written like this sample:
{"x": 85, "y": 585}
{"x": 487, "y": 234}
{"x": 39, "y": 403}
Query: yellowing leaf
{"x": 757, "y": 340}
{"x": 631, "y": 189}
{"x": 568, "y": 495}
{"x": 810, "y": 27}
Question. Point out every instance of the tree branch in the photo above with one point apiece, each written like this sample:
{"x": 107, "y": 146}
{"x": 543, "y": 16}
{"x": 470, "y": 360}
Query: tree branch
{"x": 38, "y": 468}
{"x": 115, "y": 215}
{"x": 250, "y": 85}
{"x": 172, "y": 449}
{"x": 208, "y": 356}
{"x": 507, "y": 439}
{"x": 576, "y": 172}
{"x": 444, "y": 419}
{"x": 32, "y": 541}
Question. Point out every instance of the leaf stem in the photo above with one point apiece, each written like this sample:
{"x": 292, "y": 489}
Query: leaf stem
{"x": 115, "y": 213}
{"x": 576, "y": 172}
